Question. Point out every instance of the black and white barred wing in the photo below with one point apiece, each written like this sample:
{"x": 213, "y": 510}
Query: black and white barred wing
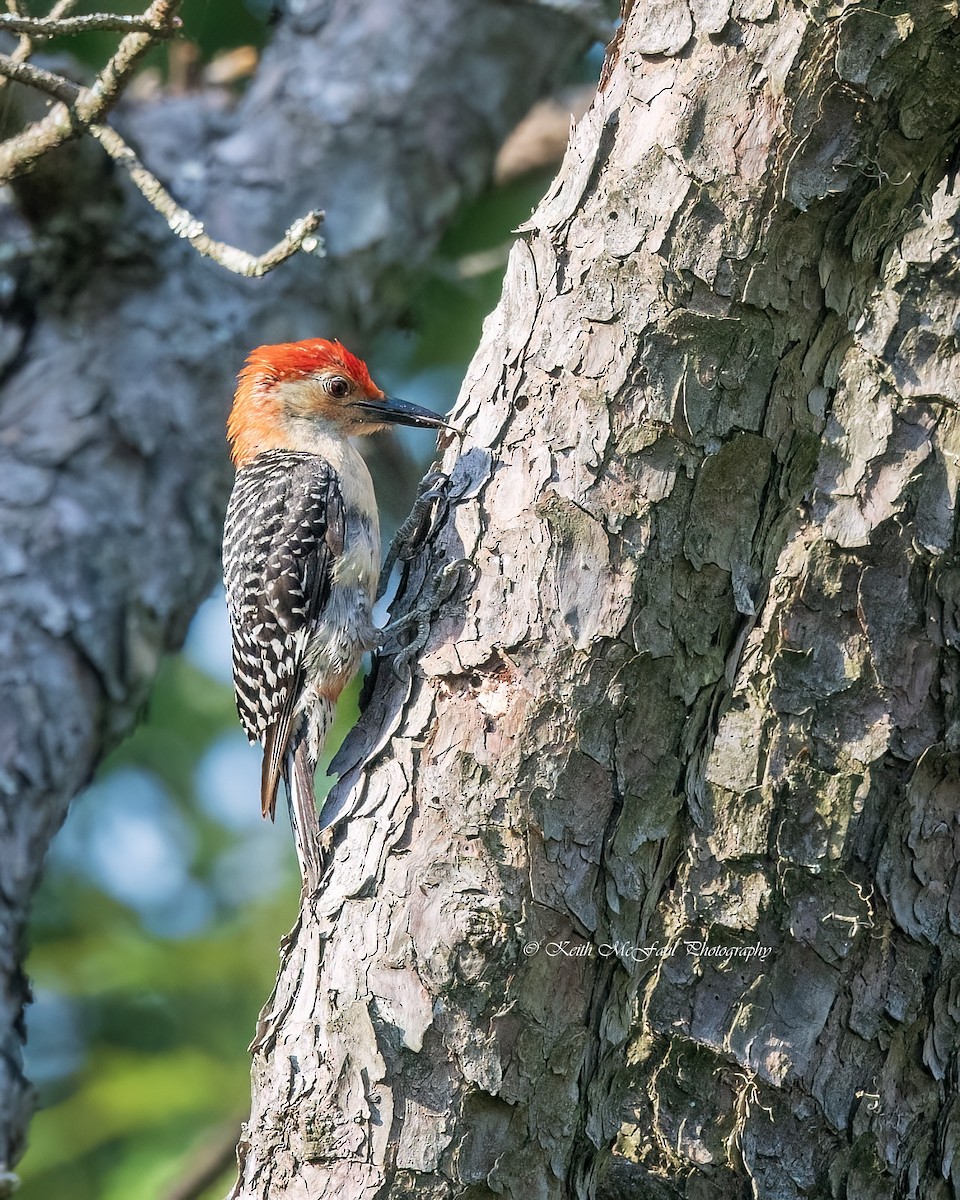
{"x": 283, "y": 532}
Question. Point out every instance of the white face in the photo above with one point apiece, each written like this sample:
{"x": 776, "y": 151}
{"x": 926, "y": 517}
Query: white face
{"x": 327, "y": 397}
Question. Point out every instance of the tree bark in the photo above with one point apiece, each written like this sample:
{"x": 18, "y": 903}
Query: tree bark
{"x": 645, "y": 883}
{"x": 119, "y": 349}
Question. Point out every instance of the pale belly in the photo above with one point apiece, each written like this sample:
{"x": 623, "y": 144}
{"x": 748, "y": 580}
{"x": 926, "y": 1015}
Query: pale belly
{"x": 346, "y": 630}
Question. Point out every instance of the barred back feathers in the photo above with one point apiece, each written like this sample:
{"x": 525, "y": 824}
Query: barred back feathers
{"x": 283, "y": 533}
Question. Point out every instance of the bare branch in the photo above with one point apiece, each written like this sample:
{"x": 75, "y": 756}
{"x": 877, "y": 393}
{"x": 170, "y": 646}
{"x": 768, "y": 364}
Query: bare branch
{"x": 20, "y": 54}
{"x": 298, "y": 237}
{"x": 97, "y": 100}
{"x": 36, "y": 77}
{"x": 46, "y": 27}
{"x": 91, "y": 104}
{"x": 24, "y": 45}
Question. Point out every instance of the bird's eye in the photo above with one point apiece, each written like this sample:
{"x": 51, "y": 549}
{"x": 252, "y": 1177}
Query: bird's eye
{"x": 337, "y": 387}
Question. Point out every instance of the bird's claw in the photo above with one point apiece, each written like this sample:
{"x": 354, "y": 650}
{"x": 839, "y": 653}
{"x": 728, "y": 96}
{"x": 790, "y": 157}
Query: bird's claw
{"x": 418, "y": 525}
{"x": 445, "y": 583}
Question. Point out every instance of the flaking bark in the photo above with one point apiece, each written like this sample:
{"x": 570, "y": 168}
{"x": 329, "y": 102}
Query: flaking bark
{"x": 702, "y": 689}
{"x": 118, "y": 350}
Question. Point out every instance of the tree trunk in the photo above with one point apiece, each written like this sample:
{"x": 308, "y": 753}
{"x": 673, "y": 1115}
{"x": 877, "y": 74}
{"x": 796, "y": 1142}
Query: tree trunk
{"x": 644, "y": 884}
{"x": 119, "y": 349}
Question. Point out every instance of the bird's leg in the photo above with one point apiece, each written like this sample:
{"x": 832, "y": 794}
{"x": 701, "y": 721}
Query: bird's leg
{"x": 416, "y": 528}
{"x": 411, "y": 535}
{"x": 445, "y": 582}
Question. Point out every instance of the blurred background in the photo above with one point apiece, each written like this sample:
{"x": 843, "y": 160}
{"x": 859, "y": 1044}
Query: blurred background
{"x": 155, "y": 932}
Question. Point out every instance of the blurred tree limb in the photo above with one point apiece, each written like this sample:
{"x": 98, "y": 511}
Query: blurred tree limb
{"x": 118, "y": 348}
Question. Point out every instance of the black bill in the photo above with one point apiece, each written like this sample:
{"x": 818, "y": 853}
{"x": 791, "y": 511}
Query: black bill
{"x": 398, "y": 412}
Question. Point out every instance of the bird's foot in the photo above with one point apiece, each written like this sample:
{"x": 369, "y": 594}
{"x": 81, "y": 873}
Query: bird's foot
{"x": 417, "y": 527}
{"x": 444, "y": 584}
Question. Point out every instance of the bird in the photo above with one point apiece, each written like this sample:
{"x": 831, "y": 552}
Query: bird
{"x": 301, "y": 556}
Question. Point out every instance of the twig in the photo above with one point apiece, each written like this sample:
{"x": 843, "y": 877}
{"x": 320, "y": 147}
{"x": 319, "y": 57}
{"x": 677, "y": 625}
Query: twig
{"x": 82, "y": 106}
{"x": 46, "y": 27}
{"x": 36, "y": 77}
{"x": 25, "y": 45}
{"x": 298, "y": 237}
{"x": 79, "y": 102}
{"x": 96, "y": 101}
{"x": 90, "y": 104}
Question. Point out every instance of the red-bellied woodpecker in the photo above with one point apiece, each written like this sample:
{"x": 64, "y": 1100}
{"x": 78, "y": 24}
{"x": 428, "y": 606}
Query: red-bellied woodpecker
{"x": 301, "y": 556}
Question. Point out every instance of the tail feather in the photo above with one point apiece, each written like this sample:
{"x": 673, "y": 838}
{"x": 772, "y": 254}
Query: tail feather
{"x": 276, "y": 749}
{"x": 269, "y": 783}
{"x": 300, "y": 770}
